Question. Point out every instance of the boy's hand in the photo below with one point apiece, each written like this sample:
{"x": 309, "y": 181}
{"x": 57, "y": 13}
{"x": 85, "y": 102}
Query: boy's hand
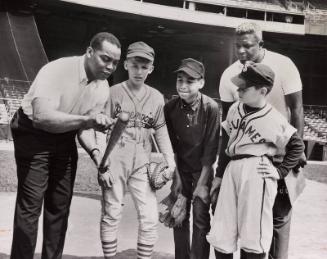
{"x": 214, "y": 191}
{"x": 106, "y": 179}
{"x": 202, "y": 191}
{"x": 267, "y": 170}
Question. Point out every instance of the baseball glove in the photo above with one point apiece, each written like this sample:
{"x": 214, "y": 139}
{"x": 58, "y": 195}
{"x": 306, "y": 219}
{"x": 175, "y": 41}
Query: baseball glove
{"x": 172, "y": 211}
{"x": 158, "y": 175}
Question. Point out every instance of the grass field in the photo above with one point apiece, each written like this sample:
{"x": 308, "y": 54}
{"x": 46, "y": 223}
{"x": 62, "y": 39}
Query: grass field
{"x": 86, "y": 180}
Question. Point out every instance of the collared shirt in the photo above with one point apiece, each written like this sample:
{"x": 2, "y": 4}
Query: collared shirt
{"x": 193, "y": 131}
{"x": 65, "y": 84}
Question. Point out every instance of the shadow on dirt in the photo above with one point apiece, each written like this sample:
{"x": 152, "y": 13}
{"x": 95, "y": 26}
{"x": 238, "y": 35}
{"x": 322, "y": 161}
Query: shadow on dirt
{"x": 126, "y": 254}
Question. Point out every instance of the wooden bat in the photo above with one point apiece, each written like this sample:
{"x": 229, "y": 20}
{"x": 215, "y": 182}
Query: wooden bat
{"x": 116, "y": 132}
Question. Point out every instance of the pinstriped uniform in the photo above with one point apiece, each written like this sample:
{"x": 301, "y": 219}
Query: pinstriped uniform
{"x": 245, "y": 202}
{"x": 128, "y": 163}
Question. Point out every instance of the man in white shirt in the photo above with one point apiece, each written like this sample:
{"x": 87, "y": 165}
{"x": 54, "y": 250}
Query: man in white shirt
{"x": 65, "y": 99}
{"x": 286, "y": 97}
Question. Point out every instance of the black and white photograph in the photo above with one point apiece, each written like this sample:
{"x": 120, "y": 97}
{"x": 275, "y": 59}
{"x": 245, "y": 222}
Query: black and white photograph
{"x": 163, "y": 129}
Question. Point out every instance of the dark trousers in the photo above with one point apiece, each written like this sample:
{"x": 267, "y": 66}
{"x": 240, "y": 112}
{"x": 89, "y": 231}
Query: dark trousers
{"x": 200, "y": 248}
{"x": 282, "y": 212}
{"x": 46, "y": 168}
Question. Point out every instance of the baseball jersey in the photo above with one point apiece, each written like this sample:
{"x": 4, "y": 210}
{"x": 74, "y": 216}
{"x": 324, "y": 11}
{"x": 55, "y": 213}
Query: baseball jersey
{"x": 287, "y": 81}
{"x": 65, "y": 84}
{"x": 145, "y": 114}
{"x": 257, "y": 133}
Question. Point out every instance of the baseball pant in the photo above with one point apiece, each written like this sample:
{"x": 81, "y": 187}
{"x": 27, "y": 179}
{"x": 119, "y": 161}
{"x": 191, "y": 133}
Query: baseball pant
{"x": 244, "y": 209}
{"x": 282, "y": 212}
{"x": 127, "y": 163}
{"x": 46, "y": 168}
{"x": 200, "y": 247}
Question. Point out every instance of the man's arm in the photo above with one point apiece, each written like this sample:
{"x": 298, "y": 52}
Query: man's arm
{"x": 87, "y": 139}
{"x": 46, "y": 117}
{"x": 295, "y": 103}
{"x": 225, "y": 106}
{"x": 223, "y": 158}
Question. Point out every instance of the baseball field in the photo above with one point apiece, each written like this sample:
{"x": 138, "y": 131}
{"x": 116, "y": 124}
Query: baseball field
{"x": 308, "y": 234}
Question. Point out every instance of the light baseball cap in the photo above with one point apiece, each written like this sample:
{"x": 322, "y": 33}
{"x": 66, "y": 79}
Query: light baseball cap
{"x": 140, "y": 49}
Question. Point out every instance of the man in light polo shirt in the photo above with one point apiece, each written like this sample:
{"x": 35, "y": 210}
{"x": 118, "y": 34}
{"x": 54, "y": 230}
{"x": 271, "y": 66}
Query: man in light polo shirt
{"x": 286, "y": 97}
{"x": 65, "y": 99}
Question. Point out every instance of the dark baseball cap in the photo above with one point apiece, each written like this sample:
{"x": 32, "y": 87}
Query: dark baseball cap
{"x": 255, "y": 74}
{"x": 192, "y": 67}
{"x": 140, "y": 49}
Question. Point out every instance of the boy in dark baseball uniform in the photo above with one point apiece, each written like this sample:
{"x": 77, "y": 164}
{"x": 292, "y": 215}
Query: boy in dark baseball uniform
{"x": 128, "y": 162}
{"x": 262, "y": 148}
{"x": 192, "y": 121}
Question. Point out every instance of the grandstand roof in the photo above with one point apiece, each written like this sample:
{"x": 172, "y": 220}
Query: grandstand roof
{"x": 271, "y": 5}
{"x": 319, "y": 4}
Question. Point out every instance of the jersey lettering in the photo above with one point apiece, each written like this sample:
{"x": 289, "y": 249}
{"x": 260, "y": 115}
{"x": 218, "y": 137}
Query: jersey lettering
{"x": 136, "y": 119}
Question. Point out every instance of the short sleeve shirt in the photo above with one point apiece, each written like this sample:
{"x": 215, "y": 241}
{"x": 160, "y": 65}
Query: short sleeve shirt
{"x": 287, "y": 81}
{"x": 65, "y": 84}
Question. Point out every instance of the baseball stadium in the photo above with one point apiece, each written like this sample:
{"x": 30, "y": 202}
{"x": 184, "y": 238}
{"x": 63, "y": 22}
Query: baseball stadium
{"x": 34, "y": 32}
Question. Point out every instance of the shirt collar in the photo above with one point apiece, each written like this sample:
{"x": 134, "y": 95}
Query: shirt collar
{"x": 193, "y": 106}
{"x": 82, "y": 73}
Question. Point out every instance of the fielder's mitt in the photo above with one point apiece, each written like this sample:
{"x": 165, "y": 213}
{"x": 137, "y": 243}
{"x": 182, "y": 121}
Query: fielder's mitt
{"x": 172, "y": 211}
{"x": 158, "y": 175}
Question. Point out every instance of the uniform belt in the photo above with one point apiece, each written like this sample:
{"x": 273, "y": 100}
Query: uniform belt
{"x": 138, "y": 124}
{"x": 125, "y": 139}
{"x": 238, "y": 157}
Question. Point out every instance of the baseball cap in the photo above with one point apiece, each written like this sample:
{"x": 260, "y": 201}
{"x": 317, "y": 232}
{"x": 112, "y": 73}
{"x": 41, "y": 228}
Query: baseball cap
{"x": 191, "y": 67}
{"x": 255, "y": 74}
{"x": 140, "y": 49}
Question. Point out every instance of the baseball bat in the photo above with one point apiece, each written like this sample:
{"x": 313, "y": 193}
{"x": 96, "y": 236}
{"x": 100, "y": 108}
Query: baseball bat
{"x": 116, "y": 132}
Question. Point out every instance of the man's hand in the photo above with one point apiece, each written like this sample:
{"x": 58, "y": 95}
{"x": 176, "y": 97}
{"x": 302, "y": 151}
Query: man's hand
{"x": 214, "y": 191}
{"x": 267, "y": 170}
{"x": 176, "y": 187}
{"x": 99, "y": 122}
{"x": 202, "y": 191}
{"x": 106, "y": 178}
{"x": 302, "y": 163}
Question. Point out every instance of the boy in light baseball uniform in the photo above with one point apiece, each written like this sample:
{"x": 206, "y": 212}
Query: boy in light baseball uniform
{"x": 192, "y": 121}
{"x": 128, "y": 162}
{"x": 262, "y": 148}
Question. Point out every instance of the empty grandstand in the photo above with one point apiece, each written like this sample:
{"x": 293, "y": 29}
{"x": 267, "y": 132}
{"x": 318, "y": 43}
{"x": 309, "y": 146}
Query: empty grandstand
{"x": 13, "y": 92}
{"x": 202, "y": 29}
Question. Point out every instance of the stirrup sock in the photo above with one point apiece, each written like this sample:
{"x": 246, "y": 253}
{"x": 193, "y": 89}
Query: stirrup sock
{"x": 144, "y": 251}
{"x": 109, "y": 248}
